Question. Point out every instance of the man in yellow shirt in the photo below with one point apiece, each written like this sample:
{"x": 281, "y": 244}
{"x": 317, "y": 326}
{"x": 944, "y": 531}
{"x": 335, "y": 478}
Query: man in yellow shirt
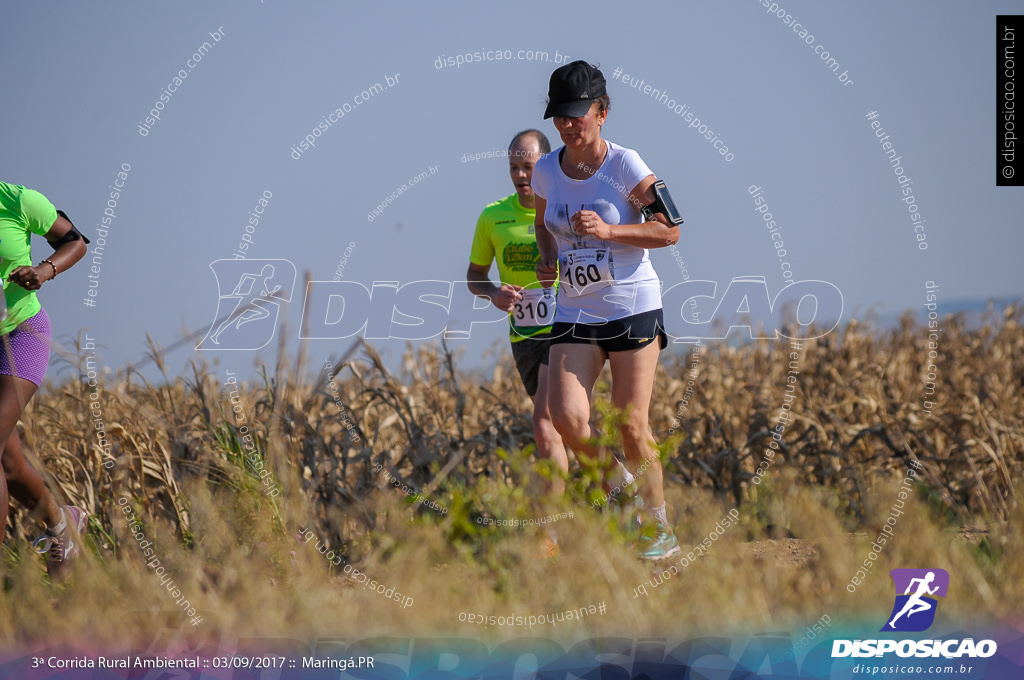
{"x": 505, "y": 233}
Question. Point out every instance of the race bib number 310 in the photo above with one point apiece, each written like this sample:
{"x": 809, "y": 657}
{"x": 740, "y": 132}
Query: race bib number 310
{"x": 585, "y": 270}
{"x": 536, "y": 308}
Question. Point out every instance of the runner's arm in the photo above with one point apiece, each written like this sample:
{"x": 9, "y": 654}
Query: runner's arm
{"x": 63, "y": 258}
{"x": 67, "y": 254}
{"x": 479, "y": 283}
{"x": 656, "y": 233}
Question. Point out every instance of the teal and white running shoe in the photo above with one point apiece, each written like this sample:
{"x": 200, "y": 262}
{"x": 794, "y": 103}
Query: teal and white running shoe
{"x": 658, "y": 544}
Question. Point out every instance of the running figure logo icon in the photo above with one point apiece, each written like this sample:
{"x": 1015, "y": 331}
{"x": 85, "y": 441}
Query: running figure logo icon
{"x": 250, "y": 293}
{"x": 914, "y": 610}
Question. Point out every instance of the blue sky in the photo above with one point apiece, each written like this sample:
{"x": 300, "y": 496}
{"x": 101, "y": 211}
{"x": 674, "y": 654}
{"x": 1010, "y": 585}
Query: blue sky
{"x": 83, "y": 77}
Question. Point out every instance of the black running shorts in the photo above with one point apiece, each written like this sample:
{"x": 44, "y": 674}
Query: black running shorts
{"x": 620, "y": 335}
{"x": 530, "y": 354}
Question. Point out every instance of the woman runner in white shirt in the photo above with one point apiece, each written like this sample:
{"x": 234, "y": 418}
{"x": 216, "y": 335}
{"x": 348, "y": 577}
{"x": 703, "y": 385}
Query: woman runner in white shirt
{"x": 592, "y": 236}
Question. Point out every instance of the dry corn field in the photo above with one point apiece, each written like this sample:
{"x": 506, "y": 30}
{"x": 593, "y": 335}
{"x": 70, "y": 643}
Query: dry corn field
{"x": 463, "y": 441}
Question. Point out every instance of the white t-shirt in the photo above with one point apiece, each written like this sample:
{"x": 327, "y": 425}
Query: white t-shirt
{"x": 637, "y": 288}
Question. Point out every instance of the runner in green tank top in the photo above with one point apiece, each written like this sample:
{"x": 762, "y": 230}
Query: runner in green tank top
{"x": 24, "y": 354}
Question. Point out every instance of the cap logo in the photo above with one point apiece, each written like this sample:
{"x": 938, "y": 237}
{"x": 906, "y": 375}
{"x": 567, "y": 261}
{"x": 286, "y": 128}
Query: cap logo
{"x": 584, "y": 96}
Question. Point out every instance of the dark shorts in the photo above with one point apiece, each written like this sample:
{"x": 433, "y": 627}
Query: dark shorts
{"x": 25, "y": 351}
{"x": 620, "y": 335}
{"x": 530, "y": 354}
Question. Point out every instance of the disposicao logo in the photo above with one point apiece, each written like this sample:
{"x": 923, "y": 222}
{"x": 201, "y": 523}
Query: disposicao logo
{"x": 257, "y": 289}
{"x": 914, "y": 611}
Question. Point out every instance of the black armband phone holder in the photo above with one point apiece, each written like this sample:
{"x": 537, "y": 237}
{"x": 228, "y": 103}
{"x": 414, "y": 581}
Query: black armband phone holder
{"x": 72, "y": 235}
{"x": 662, "y": 204}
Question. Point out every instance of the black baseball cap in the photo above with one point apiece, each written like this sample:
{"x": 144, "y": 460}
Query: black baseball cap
{"x": 573, "y": 88}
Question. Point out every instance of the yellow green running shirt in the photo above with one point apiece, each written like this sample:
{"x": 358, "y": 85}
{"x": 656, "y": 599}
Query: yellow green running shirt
{"x": 505, "y": 233}
{"x": 23, "y": 212}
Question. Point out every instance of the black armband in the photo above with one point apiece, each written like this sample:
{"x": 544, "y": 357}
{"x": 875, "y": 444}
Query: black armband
{"x": 662, "y": 204}
{"x": 72, "y": 235}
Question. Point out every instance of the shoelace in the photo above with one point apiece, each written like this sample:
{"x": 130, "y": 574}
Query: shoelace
{"x": 57, "y": 551}
{"x": 53, "y": 545}
{"x": 51, "y": 540}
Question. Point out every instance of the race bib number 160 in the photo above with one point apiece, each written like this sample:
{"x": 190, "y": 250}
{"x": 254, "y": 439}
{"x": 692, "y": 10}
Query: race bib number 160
{"x": 585, "y": 270}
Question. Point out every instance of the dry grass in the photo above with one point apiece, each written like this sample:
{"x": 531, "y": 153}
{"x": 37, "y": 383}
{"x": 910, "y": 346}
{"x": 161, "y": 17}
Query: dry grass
{"x": 458, "y": 439}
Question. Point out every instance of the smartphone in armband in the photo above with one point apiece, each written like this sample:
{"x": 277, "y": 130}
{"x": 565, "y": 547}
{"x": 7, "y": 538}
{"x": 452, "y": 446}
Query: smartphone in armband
{"x": 663, "y": 203}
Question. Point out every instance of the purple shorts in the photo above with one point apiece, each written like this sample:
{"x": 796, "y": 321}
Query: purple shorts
{"x": 27, "y": 348}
